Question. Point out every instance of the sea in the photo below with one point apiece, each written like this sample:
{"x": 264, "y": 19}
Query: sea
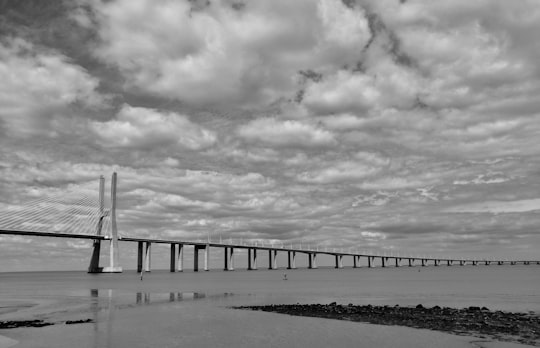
{"x": 194, "y": 309}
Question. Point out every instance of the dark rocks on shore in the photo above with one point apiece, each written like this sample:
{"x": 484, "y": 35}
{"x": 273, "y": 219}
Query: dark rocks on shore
{"x": 23, "y": 323}
{"x": 37, "y": 323}
{"x": 504, "y": 326}
{"x": 82, "y": 321}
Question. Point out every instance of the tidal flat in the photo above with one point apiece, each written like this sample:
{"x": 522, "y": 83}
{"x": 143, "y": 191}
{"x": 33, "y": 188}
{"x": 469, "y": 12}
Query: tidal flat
{"x": 472, "y": 321}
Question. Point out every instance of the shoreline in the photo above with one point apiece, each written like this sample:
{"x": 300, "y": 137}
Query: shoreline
{"x": 517, "y": 327}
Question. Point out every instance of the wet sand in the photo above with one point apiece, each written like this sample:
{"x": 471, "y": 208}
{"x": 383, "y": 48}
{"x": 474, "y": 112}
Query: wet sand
{"x": 479, "y": 322}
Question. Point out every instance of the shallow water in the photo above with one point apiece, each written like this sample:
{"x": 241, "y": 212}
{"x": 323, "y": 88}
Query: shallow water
{"x": 192, "y": 309}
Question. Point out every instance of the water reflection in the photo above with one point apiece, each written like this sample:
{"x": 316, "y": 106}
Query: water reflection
{"x": 105, "y": 302}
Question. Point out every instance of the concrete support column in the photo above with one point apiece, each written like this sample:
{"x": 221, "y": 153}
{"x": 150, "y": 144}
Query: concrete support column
{"x": 172, "y": 267}
{"x": 275, "y": 260}
{"x": 270, "y": 261}
{"x": 294, "y": 260}
{"x": 94, "y": 261}
{"x": 436, "y": 262}
{"x": 340, "y": 261}
{"x": 207, "y": 257}
{"x": 410, "y": 262}
{"x": 369, "y": 261}
{"x": 354, "y": 261}
{"x": 231, "y": 259}
{"x": 383, "y": 263}
{"x": 147, "y": 255}
{"x": 249, "y": 260}
{"x": 226, "y": 259}
{"x": 254, "y": 258}
{"x": 397, "y": 261}
{"x": 180, "y": 265}
{"x": 289, "y": 265}
{"x": 314, "y": 262}
{"x": 423, "y": 262}
{"x": 310, "y": 265}
{"x": 195, "y": 258}
{"x": 140, "y": 256}
{"x": 448, "y": 262}
{"x": 337, "y": 261}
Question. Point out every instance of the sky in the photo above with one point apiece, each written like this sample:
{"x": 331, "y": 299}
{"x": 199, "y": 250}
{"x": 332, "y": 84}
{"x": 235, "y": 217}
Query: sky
{"x": 397, "y": 127}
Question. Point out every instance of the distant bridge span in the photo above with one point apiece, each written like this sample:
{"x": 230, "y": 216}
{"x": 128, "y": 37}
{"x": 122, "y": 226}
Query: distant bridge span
{"x": 177, "y": 251}
{"x": 100, "y": 217}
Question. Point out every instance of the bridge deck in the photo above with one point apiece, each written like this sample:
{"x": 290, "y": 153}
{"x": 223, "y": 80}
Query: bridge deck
{"x": 239, "y": 246}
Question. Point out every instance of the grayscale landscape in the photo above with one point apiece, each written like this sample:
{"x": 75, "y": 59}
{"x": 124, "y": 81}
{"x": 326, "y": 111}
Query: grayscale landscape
{"x": 307, "y": 173}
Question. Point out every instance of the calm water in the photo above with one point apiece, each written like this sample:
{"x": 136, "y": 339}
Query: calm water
{"x": 191, "y": 309}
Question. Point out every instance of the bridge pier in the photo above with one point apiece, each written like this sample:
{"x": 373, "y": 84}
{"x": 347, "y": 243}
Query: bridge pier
{"x": 411, "y": 262}
{"x": 449, "y": 262}
{"x": 310, "y": 265}
{"x": 423, "y": 262}
{"x": 369, "y": 261}
{"x": 231, "y": 259}
{"x": 94, "y": 261}
{"x": 180, "y": 265}
{"x": 289, "y": 264}
{"x": 436, "y": 262}
{"x": 254, "y": 259}
{"x": 249, "y": 260}
{"x": 354, "y": 261}
{"x": 339, "y": 261}
{"x": 294, "y": 260}
{"x": 226, "y": 259}
{"x": 207, "y": 257}
{"x": 195, "y": 258}
{"x": 314, "y": 263}
{"x": 398, "y": 261}
{"x": 275, "y": 260}
{"x": 270, "y": 261}
{"x": 147, "y": 257}
{"x": 383, "y": 264}
{"x": 140, "y": 257}
{"x": 172, "y": 267}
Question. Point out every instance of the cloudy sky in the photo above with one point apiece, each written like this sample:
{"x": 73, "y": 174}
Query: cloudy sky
{"x": 407, "y": 127}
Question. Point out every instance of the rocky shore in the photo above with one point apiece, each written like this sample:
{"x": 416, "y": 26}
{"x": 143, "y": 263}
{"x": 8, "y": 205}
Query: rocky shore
{"x": 474, "y": 321}
{"x": 12, "y": 324}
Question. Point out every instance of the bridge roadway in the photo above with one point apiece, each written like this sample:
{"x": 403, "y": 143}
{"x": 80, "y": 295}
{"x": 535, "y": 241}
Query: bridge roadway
{"x": 177, "y": 254}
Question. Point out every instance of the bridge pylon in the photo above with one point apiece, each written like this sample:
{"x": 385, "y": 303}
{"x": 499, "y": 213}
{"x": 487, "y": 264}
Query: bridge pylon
{"x": 114, "y": 257}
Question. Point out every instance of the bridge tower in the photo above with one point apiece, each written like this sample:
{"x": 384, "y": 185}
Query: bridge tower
{"x": 114, "y": 257}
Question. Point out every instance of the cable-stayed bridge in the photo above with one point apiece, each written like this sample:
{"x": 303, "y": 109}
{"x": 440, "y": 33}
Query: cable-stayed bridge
{"x": 83, "y": 214}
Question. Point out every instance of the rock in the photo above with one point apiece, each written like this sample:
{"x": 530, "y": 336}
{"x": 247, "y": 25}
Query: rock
{"x": 419, "y": 306}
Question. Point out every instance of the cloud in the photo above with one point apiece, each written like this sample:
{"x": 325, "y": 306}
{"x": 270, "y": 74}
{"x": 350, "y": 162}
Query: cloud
{"x": 221, "y": 54}
{"x": 138, "y": 127}
{"x": 365, "y": 165}
{"x": 275, "y": 132}
{"x": 497, "y": 207}
{"x": 39, "y": 86}
{"x": 490, "y": 178}
{"x": 342, "y": 122}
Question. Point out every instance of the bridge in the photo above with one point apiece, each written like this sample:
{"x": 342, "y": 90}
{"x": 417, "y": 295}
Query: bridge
{"x": 81, "y": 217}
